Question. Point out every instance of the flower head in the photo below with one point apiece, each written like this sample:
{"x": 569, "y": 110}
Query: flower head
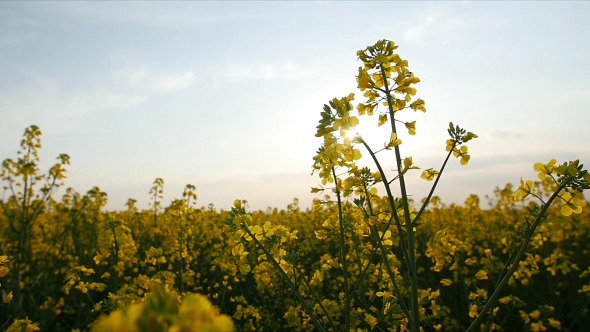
{"x": 545, "y": 169}
{"x": 571, "y": 203}
{"x": 524, "y": 190}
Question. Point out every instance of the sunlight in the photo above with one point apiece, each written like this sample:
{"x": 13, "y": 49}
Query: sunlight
{"x": 351, "y": 134}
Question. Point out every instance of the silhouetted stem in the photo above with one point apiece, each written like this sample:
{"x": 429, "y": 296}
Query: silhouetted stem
{"x": 516, "y": 263}
{"x": 343, "y": 254}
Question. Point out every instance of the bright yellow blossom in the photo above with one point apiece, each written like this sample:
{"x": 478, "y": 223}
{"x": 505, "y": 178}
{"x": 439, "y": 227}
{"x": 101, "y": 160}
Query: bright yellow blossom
{"x": 386, "y": 295}
{"x": 408, "y": 165}
{"x": 23, "y": 325}
{"x": 481, "y": 275}
{"x": 411, "y": 126}
{"x": 463, "y": 154}
{"x": 446, "y": 282}
{"x": 418, "y": 105}
{"x": 538, "y": 326}
{"x": 3, "y": 271}
{"x": 7, "y": 298}
{"x": 571, "y": 203}
{"x": 429, "y": 174}
{"x": 525, "y": 189}
{"x": 554, "y": 323}
{"x": 473, "y": 311}
{"x": 450, "y": 144}
{"x": 545, "y": 169}
{"x": 394, "y": 141}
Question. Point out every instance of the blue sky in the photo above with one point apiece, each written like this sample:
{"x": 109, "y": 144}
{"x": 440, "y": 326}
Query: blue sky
{"x": 226, "y": 95}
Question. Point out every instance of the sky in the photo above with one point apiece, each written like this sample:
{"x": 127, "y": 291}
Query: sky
{"x": 226, "y": 95}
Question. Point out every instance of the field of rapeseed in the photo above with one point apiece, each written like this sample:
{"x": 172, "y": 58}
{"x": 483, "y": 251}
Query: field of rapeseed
{"x": 360, "y": 259}
{"x": 82, "y": 262}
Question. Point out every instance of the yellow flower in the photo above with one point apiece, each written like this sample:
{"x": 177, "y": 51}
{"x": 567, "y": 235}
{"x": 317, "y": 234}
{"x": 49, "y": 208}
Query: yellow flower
{"x": 379, "y": 81}
{"x": 364, "y": 80}
{"x": 386, "y": 237}
{"x": 450, "y": 144}
{"x": 394, "y": 141}
{"x": 386, "y": 295}
{"x": 446, "y": 282}
{"x": 469, "y": 136}
{"x": 473, "y": 311}
{"x": 481, "y": 275}
{"x": 571, "y": 203}
{"x": 411, "y": 126}
{"x": 20, "y": 325}
{"x": 316, "y": 204}
{"x": 371, "y": 320}
{"x": 538, "y": 326}
{"x": 418, "y": 105}
{"x": 545, "y": 169}
{"x": 429, "y": 174}
{"x": 408, "y": 165}
{"x": 321, "y": 234}
{"x": 535, "y": 314}
{"x": 434, "y": 295}
{"x": 584, "y": 289}
{"x": 7, "y": 298}
{"x": 3, "y": 271}
{"x": 257, "y": 231}
{"x": 524, "y": 190}
{"x": 462, "y": 153}
{"x": 554, "y": 323}
{"x": 197, "y": 314}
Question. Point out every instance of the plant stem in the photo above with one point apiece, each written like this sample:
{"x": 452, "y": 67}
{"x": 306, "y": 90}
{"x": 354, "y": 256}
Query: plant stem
{"x": 295, "y": 289}
{"x": 343, "y": 254}
{"x": 417, "y": 218}
{"x": 411, "y": 250}
{"x": 515, "y": 264}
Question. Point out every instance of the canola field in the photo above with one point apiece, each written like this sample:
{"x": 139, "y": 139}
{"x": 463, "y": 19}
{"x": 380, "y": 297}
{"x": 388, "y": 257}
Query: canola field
{"x": 365, "y": 257}
{"x": 81, "y": 262}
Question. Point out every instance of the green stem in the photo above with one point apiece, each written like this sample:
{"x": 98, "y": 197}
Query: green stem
{"x": 379, "y": 241}
{"x": 391, "y": 274}
{"x": 516, "y": 263}
{"x": 390, "y": 199}
{"x": 343, "y": 254}
{"x": 417, "y": 218}
{"x": 315, "y": 297}
{"x": 411, "y": 250}
{"x": 407, "y": 253}
{"x": 286, "y": 278}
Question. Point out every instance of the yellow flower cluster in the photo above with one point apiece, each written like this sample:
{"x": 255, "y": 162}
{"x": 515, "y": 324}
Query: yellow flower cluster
{"x": 569, "y": 178}
{"x": 456, "y": 256}
{"x": 160, "y": 312}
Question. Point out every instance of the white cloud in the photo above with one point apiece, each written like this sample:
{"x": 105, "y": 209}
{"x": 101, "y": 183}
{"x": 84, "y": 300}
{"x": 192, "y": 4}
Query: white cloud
{"x": 504, "y": 134}
{"x": 441, "y": 26}
{"x": 159, "y": 82}
{"x": 171, "y": 82}
{"x": 46, "y": 102}
{"x": 161, "y": 14}
{"x": 98, "y": 100}
{"x": 287, "y": 69}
